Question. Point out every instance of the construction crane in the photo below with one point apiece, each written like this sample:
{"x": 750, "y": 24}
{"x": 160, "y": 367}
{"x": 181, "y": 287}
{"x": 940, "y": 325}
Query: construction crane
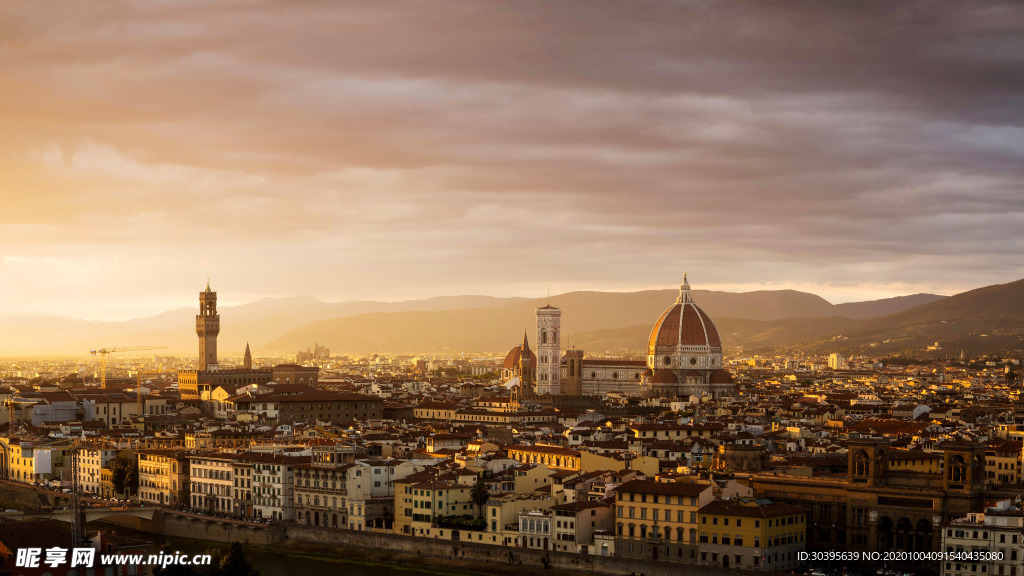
{"x": 104, "y": 352}
{"x": 72, "y": 455}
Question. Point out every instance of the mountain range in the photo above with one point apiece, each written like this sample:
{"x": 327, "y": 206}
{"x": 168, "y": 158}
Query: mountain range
{"x": 985, "y": 319}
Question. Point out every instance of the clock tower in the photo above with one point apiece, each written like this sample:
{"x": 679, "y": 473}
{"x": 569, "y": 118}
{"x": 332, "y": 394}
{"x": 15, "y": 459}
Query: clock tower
{"x": 207, "y": 328}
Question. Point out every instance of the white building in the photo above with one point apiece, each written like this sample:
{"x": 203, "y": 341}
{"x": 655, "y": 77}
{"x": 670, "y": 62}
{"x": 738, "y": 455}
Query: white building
{"x": 998, "y": 531}
{"x": 90, "y": 462}
{"x": 273, "y": 484}
{"x": 836, "y": 361}
{"x": 211, "y": 480}
{"x": 370, "y": 491}
{"x": 535, "y": 530}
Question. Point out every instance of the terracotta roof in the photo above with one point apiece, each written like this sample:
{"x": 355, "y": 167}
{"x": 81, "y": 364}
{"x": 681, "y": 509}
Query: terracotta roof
{"x": 684, "y": 324}
{"x": 512, "y": 358}
{"x": 664, "y": 377}
{"x": 669, "y": 488}
{"x": 751, "y": 508}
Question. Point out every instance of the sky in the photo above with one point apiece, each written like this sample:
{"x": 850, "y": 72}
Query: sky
{"x": 398, "y": 150}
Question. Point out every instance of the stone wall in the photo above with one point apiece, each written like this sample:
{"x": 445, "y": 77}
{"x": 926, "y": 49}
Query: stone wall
{"x": 279, "y": 535}
{"x": 216, "y": 530}
{"x": 26, "y": 495}
{"x": 489, "y": 554}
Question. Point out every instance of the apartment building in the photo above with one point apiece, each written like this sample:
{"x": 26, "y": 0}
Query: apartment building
{"x": 432, "y": 500}
{"x": 998, "y": 532}
{"x": 370, "y": 494}
{"x": 210, "y": 481}
{"x": 273, "y": 484}
{"x": 751, "y": 534}
{"x": 575, "y": 523}
{"x": 163, "y": 477}
{"x": 91, "y": 462}
{"x": 241, "y": 488}
{"x": 659, "y": 520}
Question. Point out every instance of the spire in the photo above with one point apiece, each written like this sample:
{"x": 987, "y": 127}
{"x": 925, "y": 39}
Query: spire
{"x": 526, "y": 344}
{"x": 208, "y": 285}
{"x": 248, "y": 358}
{"x": 684, "y": 292}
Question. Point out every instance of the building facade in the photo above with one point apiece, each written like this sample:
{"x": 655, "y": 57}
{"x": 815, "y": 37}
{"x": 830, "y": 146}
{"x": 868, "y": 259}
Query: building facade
{"x": 751, "y": 534}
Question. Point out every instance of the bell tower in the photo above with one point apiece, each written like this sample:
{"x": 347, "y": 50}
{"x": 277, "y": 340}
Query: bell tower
{"x": 207, "y": 328}
{"x": 526, "y": 371}
{"x": 548, "y": 350}
{"x": 574, "y": 372}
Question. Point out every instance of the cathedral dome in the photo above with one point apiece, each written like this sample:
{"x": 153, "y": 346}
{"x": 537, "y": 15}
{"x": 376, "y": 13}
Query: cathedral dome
{"x": 513, "y": 356}
{"x": 684, "y": 324}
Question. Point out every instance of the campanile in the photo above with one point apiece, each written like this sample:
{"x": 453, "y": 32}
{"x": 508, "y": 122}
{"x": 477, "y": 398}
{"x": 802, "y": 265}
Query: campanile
{"x": 207, "y": 328}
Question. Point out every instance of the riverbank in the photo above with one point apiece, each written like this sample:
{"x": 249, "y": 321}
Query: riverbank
{"x": 403, "y": 561}
{"x": 463, "y": 555}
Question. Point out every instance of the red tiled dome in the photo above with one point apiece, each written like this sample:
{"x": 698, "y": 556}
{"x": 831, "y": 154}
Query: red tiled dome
{"x": 664, "y": 377}
{"x": 721, "y": 377}
{"x": 684, "y": 324}
{"x": 512, "y": 359}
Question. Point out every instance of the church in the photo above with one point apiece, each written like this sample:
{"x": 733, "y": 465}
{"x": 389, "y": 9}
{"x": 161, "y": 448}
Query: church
{"x": 684, "y": 358}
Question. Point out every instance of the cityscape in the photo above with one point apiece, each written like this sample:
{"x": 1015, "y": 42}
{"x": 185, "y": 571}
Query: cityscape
{"x": 574, "y": 288}
{"x": 683, "y": 457}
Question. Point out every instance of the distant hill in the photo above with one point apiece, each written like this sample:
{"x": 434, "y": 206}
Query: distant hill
{"x": 985, "y": 320}
{"x": 875, "y": 308}
{"x": 738, "y": 334}
{"x": 24, "y": 335}
{"x": 597, "y": 321}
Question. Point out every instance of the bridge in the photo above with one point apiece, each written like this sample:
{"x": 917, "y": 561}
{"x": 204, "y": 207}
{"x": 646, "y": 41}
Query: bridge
{"x": 89, "y": 513}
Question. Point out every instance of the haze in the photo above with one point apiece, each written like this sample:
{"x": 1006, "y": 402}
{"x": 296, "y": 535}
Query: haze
{"x": 398, "y": 150}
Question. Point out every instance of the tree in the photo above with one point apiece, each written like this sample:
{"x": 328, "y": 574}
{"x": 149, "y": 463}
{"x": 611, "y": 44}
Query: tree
{"x": 231, "y": 563}
{"x": 480, "y": 495}
{"x": 125, "y": 468}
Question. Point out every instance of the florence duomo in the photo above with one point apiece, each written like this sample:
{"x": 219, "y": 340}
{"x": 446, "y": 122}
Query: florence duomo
{"x": 684, "y": 359}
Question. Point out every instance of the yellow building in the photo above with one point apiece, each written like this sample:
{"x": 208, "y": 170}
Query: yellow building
{"x": 551, "y": 456}
{"x": 1003, "y": 462}
{"x": 433, "y": 502}
{"x": 751, "y": 534}
{"x": 28, "y": 463}
{"x": 163, "y": 477}
{"x": 658, "y": 520}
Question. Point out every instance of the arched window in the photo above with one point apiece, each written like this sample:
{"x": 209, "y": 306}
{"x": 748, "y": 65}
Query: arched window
{"x": 861, "y": 465}
{"x": 543, "y": 336}
{"x": 957, "y": 469}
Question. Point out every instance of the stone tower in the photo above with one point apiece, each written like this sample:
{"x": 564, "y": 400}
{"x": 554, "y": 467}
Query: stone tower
{"x": 526, "y": 371}
{"x": 574, "y": 372}
{"x": 247, "y": 362}
{"x": 207, "y": 328}
{"x": 548, "y": 350}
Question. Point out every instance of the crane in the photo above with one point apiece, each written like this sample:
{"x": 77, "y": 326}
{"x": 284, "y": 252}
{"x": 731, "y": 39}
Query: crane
{"x": 104, "y": 352}
{"x": 72, "y": 452}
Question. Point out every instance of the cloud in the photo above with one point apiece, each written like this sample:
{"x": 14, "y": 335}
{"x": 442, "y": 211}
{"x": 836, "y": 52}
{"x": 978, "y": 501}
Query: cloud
{"x": 369, "y": 150}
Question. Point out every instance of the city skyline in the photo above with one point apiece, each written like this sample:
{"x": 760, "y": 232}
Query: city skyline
{"x": 366, "y": 152}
